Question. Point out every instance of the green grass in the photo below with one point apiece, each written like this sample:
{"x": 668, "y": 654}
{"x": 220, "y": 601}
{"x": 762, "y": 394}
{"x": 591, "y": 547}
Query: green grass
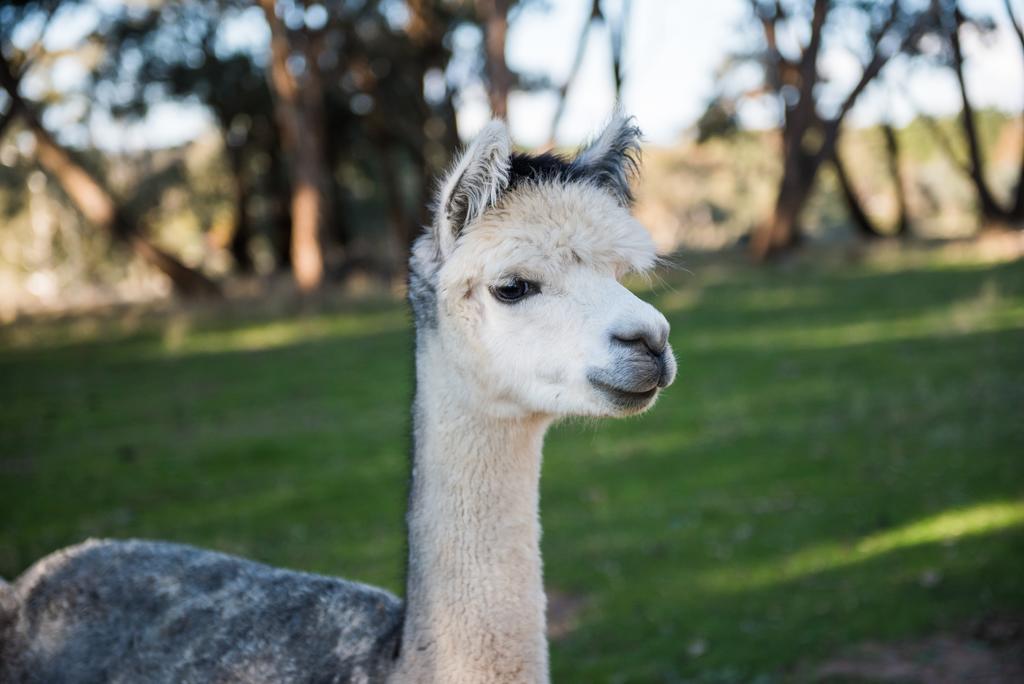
{"x": 841, "y": 459}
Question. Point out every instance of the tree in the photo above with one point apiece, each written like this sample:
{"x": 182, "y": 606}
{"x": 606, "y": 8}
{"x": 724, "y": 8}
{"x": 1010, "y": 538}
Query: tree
{"x": 1017, "y": 210}
{"x": 298, "y": 103}
{"x": 864, "y": 224}
{"x": 493, "y": 15}
{"x": 950, "y": 21}
{"x": 96, "y": 203}
{"x": 791, "y": 76}
{"x": 382, "y": 83}
{"x": 385, "y": 124}
{"x": 157, "y": 54}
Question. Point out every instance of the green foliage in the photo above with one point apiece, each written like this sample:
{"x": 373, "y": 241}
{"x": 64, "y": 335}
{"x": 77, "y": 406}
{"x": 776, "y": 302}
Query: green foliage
{"x": 838, "y": 461}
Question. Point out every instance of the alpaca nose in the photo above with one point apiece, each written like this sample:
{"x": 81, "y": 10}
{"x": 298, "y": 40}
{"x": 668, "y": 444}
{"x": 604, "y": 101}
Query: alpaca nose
{"x": 652, "y": 338}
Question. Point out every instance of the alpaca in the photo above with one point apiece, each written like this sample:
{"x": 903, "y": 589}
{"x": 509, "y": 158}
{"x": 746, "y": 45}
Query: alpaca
{"x": 520, "y": 319}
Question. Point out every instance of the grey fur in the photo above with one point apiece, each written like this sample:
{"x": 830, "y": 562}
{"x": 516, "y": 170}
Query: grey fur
{"x": 136, "y": 611}
{"x": 612, "y": 159}
{"x": 423, "y": 265}
{"x": 630, "y": 373}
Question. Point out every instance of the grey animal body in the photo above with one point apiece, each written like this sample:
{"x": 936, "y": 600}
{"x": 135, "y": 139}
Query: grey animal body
{"x": 138, "y": 612}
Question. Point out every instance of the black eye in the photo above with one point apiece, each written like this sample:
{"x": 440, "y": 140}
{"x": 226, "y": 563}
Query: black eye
{"x": 514, "y": 290}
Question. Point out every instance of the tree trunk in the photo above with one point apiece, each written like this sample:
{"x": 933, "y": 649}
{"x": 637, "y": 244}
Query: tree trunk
{"x": 808, "y": 139}
{"x": 99, "y": 208}
{"x": 861, "y": 221}
{"x": 1017, "y": 210}
{"x": 239, "y": 245}
{"x": 340, "y": 230}
{"x": 781, "y": 231}
{"x": 864, "y": 224}
{"x": 493, "y": 15}
{"x": 279, "y": 195}
{"x": 892, "y": 148}
{"x": 303, "y": 144}
{"x": 990, "y": 209}
{"x": 93, "y": 200}
{"x": 186, "y": 281}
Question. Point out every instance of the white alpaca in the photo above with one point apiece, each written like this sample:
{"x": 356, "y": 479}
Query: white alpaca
{"x": 520, "y": 319}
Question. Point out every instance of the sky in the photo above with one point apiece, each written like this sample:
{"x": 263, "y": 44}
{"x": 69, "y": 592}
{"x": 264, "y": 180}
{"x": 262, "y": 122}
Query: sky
{"x": 672, "y": 49}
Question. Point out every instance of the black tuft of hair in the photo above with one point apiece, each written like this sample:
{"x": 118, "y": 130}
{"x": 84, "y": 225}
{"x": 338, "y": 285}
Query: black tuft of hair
{"x": 610, "y": 162}
{"x": 545, "y": 167}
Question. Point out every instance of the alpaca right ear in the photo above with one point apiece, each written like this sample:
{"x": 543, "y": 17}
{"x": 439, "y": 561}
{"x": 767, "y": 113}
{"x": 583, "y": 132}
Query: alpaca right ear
{"x": 474, "y": 184}
{"x": 612, "y": 158}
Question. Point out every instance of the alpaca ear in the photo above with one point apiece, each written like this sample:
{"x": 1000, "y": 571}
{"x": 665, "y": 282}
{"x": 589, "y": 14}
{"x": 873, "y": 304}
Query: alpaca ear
{"x": 475, "y": 183}
{"x": 612, "y": 159}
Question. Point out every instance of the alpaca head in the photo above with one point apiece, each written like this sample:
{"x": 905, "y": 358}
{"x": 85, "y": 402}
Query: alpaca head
{"x": 517, "y": 281}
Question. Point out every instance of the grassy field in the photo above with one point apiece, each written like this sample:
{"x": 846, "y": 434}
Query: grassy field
{"x": 841, "y": 459}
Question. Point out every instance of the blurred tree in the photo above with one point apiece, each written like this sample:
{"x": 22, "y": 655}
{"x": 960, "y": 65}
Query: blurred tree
{"x": 1017, "y": 210}
{"x": 294, "y": 73}
{"x": 865, "y": 225}
{"x": 382, "y": 86}
{"x": 892, "y": 147}
{"x": 493, "y": 15}
{"x": 171, "y": 52}
{"x": 950, "y": 22}
{"x": 405, "y": 123}
{"x": 379, "y": 71}
{"x": 874, "y": 32}
{"x": 82, "y": 186}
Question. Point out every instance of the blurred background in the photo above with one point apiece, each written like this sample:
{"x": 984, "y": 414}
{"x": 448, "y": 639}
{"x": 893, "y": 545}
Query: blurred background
{"x": 205, "y": 211}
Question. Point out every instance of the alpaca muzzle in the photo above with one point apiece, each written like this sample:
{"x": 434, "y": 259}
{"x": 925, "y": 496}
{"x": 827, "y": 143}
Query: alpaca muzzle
{"x": 636, "y": 373}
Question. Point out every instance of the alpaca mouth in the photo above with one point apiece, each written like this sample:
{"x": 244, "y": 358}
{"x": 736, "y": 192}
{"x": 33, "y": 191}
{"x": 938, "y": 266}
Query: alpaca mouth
{"x": 625, "y": 398}
{"x": 631, "y": 384}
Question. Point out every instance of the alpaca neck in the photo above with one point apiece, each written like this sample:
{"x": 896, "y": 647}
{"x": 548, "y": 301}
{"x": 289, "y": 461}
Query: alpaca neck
{"x": 474, "y": 595}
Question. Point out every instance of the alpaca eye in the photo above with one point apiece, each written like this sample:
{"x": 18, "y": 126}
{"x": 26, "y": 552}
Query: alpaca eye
{"x": 514, "y": 290}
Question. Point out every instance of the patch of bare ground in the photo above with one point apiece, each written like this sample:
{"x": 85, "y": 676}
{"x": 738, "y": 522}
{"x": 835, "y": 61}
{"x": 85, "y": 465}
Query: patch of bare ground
{"x": 989, "y": 650}
{"x": 563, "y": 612}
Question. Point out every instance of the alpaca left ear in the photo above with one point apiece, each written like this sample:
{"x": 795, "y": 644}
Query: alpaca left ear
{"x": 612, "y": 159}
{"x": 473, "y": 185}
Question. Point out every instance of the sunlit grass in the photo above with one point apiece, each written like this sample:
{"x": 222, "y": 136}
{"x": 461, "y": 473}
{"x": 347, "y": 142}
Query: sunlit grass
{"x": 976, "y": 314}
{"x": 180, "y": 339}
{"x": 947, "y": 527}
